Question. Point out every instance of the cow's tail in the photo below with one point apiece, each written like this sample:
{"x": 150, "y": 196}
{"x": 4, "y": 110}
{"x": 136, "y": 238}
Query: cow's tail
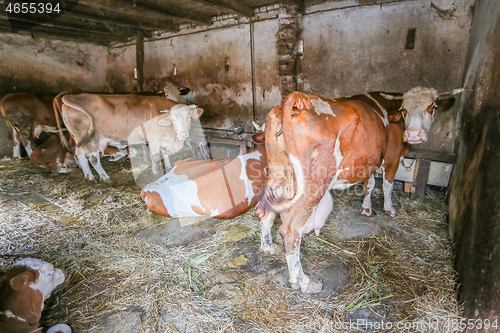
{"x": 299, "y": 101}
{"x": 91, "y": 131}
{"x": 3, "y": 112}
{"x": 57, "y": 104}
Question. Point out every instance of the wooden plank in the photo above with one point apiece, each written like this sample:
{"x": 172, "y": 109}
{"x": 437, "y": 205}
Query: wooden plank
{"x": 23, "y": 24}
{"x": 109, "y": 21}
{"x": 60, "y": 33}
{"x": 139, "y": 58}
{"x": 159, "y": 20}
{"x": 234, "y": 6}
{"x": 242, "y": 143}
{"x": 420, "y": 178}
{"x": 433, "y": 156}
{"x": 174, "y": 11}
{"x": 408, "y": 187}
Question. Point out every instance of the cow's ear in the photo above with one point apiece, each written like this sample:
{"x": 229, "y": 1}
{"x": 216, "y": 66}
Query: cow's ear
{"x": 445, "y": 104}
{"x": 19, "y": 281}
{"x": 395, "y": 117}
{"x": 167, "y": 121}
{"x": 195, "y": 112}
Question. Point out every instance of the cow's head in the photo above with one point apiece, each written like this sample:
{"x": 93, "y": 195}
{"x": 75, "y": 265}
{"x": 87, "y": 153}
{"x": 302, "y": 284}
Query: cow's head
{"x": 47, "y": 279}
{"x": 418, "y": 108}
{"x": 49, "y": 154}
{"x": 180, "y": 117}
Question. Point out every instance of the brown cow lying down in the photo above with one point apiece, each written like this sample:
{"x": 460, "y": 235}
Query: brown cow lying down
{"x": 22, "y": 113}
{"x": 314, "y": 144}
{"x": 23, "y": 289}
{"x": 221, "y": 188}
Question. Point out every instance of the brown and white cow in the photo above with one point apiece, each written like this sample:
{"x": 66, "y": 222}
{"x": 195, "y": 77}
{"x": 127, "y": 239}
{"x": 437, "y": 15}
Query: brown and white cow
{"x": 330, "y": 144}
{"x": 96, "y": 121}
{"x": 24, "y": 112}
{"x": 221, "y": 188}
{"x": 23, "y": 290}
{"x": 51, "y": 155}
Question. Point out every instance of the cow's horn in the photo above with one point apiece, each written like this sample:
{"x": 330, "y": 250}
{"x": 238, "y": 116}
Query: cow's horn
{"x": 391, "y": 97}
{"x": 453, "y": 92}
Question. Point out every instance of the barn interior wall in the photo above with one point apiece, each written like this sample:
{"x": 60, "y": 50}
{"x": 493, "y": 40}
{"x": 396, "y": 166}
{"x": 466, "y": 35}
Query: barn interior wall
{"x": 216, "y": 65}
{"x": 45, "y": 66}
{"x": 474, "y": 201}
{"x": 351, "y": 48}
{"x": 41, "y": 65}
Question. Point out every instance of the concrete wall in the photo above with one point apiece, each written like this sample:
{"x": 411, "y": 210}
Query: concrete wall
{"x": 215, "y": 64}
{"x": 50, "y": 66}
{"x": 351, "y": 48}
{"x": 474, "y": 202}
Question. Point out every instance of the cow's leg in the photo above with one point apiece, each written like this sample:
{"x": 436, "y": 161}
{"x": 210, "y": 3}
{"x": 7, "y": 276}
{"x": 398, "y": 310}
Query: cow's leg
{"x": 154, "y": 154}
{"x": 291, "y": 230}
{"x": 389, "y": 173}
{"x": 84, "y": 163}
{"x": 266, "y": 239}
{"x": 17, "y": 142}
{"x": 166, "y": 161}
{"x": 367, "y": 202}
{"x": 298, "y": 279}
{"x": 29, "y": 151}
{"x": 96, "y": 163}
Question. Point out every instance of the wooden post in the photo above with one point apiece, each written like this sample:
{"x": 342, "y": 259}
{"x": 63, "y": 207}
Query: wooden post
{"x": 139, "y": 58}
{"x": 420, "y": 178}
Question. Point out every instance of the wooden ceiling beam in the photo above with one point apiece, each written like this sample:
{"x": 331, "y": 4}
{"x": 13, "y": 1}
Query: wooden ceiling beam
{"x": 16, "y": 20}
{"x": 55, "y": 33}
{"x": 300, "y": 4}
{"x": 233, "y": 5}
{"x": 108, "y": 21}
{"x": 174, "y": 12}
{"x": 156, "y": 19}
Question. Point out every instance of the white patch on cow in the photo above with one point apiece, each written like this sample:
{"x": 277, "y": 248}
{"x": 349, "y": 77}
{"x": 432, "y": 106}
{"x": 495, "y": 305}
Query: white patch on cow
{"x": 387, "y": 187}
{"x": 59, "y": 328}
{"x": 48, "y": 279}
{"x": 179, "y": 194}
{"x": 17, "y": 151}
{"x": 367, "y": 202}
{"x": 29, "y": 151}
{"x": 295, "y": 268}
{"x": 243, "y": 174}
{"x": 322, "y": 107}
{"x": 213, "y": 212}
{"x": 335, "y": 183}
{"x": 385, "y": 118}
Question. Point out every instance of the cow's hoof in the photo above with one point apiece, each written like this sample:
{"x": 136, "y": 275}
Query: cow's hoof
{"x": 366, "y": 212}
{"x": 313, "y": 287}
{"x": 268, "y": 249}
{"x": 91, "y": 178}
{"x": 105, "y": 179}
{"x": 391, "y": 212}
{"x": 64, "y": 170}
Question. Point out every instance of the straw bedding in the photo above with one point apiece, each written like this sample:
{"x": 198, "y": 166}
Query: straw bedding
{"x": 121, "y": 282}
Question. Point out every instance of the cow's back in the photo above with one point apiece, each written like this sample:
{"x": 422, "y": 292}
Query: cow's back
{"x": 29, "y": 105}
{"x": 115, "y": 116}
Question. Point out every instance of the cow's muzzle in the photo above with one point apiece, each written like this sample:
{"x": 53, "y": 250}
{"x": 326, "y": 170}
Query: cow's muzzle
{"x": 183, "y": 135}
{"x": 414, "y": 136}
